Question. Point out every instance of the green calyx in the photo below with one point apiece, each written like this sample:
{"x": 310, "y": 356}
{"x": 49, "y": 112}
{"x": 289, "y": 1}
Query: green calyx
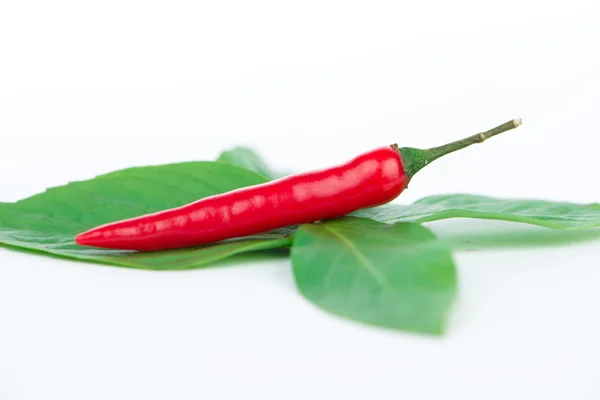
{"x": 414, "y": 160}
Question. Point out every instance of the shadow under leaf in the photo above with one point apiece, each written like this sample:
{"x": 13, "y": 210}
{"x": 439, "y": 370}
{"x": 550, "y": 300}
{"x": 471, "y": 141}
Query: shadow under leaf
{"x": 488, "y": 235}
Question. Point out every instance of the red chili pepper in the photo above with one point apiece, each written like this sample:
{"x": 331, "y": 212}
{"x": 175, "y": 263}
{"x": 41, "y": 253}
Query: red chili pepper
{"x": 373, "y": 178}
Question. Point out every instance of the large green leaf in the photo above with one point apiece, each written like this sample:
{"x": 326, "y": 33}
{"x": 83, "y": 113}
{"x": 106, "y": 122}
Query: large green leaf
{"x": 247, "y": 158}
{"x": 48, "y": 222}
{"x": 397, "y": 276}
{"x": 556, "y": 215}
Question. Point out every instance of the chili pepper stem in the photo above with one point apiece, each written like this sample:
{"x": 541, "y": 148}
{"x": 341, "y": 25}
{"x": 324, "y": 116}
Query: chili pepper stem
{"x": 414, "y": 160}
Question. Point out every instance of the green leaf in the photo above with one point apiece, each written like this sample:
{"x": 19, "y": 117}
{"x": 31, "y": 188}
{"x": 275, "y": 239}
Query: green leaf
{"x": 247, "y": 158}
{"x": 397, "y": 276}
{"x": 555, "y": 215}
{"x": 48, "y": 222}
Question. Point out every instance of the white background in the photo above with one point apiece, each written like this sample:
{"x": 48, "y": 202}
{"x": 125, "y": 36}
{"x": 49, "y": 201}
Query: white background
{"x": 89, "y": 87}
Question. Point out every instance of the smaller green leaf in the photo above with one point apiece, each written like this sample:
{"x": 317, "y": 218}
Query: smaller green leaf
{"x": 247, "y": 158}
{"x": 397, "y": 276}
{"x": 555, "y": 215}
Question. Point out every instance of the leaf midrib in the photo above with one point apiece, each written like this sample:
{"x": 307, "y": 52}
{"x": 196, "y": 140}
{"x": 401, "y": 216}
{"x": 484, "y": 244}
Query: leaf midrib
{"x": 361, "y": 257}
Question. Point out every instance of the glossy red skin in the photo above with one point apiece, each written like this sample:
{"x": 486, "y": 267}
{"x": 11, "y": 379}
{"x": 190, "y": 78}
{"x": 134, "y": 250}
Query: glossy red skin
{"x": 371, "y": 179}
